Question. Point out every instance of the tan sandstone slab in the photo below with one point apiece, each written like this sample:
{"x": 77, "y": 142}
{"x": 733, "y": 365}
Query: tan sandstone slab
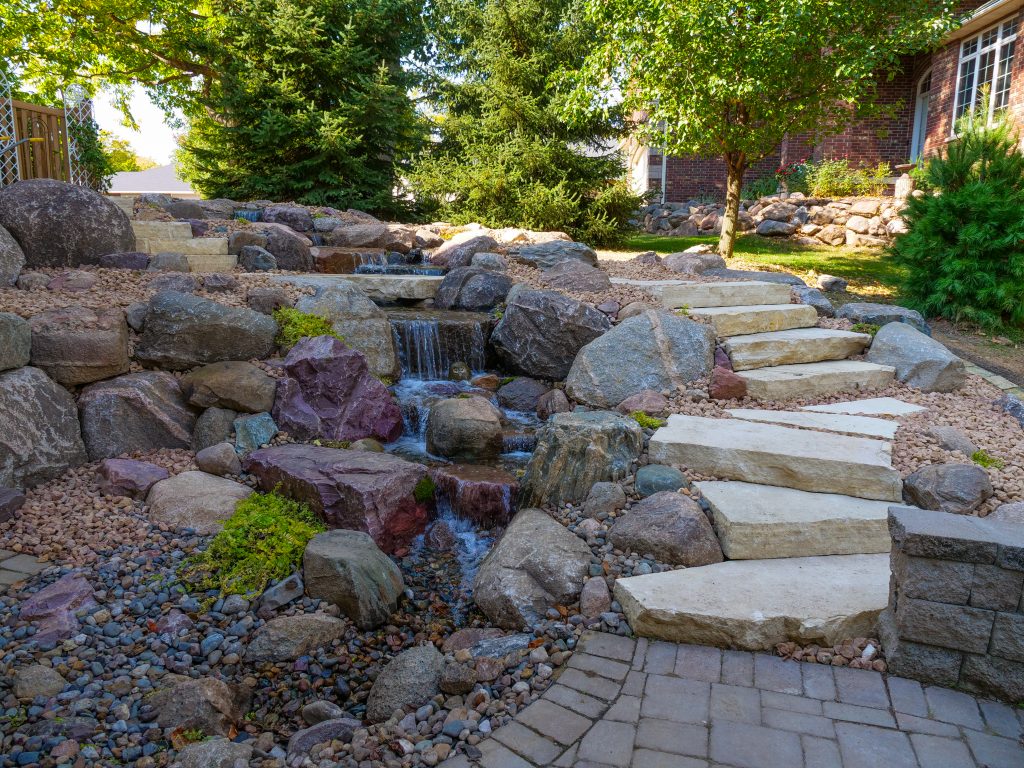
{"x": 797, "y": 345}
{"x": 872, "y": 406}
{"x": 776, "y": 455}
{"x": 755, "y": 604}
{"x": 208, "y": 262}
{"x": 197, "y": 246}
{"x": 390, "y": 288}
{"x": 757, "y": 318}
{"x": 864, "y": 426}
{"x": 163, "y": 230}
{"x": 725, "y": 294}
{"x": 757, "y": 522}
{"x": 789, "y": 382}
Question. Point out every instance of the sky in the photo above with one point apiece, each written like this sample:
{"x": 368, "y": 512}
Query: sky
{"x": 154, "y": 139}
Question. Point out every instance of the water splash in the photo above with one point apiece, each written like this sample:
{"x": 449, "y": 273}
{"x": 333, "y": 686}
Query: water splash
{"x": 428, "y": 343}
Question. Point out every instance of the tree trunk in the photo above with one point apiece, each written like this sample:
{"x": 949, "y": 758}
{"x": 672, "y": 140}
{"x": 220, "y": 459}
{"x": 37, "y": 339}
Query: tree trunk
{"x": 737, "y": 166}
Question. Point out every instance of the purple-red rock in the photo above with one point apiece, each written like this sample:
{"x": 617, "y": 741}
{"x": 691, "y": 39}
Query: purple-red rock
{"x": 552, "y": 402}
{"x": 330, "y": 393}
{"x": 359, "y": 490}
{"x": 72, "y": 280}
{"x": 722, "y": 359}
{"x": 128, "y": 477}
{"x": 476, "y": 492}
{"x": 726, "y": 385}
{"x": 52, "y": 609}
{"x": 646, "y": 401}
{"x": 125, "y": 260}
{"x": 11, "y": 500}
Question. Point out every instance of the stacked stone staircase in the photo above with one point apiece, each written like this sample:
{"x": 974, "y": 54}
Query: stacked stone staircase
{"x": 801, "y": 511}
{"x": 204, "y": 254}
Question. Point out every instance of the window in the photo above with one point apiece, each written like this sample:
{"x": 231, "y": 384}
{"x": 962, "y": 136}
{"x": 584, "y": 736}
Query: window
{"x": 986, "y": 63}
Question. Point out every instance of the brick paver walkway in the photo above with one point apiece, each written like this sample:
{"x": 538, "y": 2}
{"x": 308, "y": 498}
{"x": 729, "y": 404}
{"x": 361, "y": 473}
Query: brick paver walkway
{"x": 633, "y": 704}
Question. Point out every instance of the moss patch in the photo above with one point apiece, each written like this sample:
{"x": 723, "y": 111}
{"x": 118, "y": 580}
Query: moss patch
{"x": 296, "y": 325}
{"x": 645, "y": 421}
{"x": 424, "y": 490}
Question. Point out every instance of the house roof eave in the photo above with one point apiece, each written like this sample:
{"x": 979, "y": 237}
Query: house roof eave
{"x": 984, "y": 16}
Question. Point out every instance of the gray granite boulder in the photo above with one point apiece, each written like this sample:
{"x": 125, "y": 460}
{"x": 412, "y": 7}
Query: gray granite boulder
{"x": 63, "y": 225}
{"x": 12, "y": 259}
{"x": 919, "y": 360}
{"x": 956, "y": 488}
{"x": 547, "y": 255}
{"x": 213, "y": 426}
{"x": 218, "y": 752}
{"x": 410, "y": 679}
{"x": 76, "y": 345}
{"x": 294, "y": 216}
{"x": 256, "y": 258}
{"x": 40, "y": 437}
{"x": 15, "y": 341}
{"x": 575, "y": 276}
{"x": 654, "y": 350}
{"x": 882, "y": 314}
{"x": 671, "y": 527}
{"x": 815, "y": 298}
{"x": 288, "y": 637}
{"x": 474, "y": 289}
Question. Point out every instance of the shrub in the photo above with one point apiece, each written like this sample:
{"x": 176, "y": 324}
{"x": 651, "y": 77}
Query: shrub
{"x": 755, "y": 190}
{"x": 296, "y": 325}
{"x": 263, "y": 540}
{"x": 964, "y": 248}
{"x": 833, "y": 178}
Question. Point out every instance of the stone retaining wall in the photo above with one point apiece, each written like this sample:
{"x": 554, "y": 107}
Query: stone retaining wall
{"x": 853, "y": 221}
{"x": 956, "y": 614}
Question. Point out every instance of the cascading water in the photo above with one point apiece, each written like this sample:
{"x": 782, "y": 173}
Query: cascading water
{"x": 429, "y": 342}
{"x": 248, "y": 215}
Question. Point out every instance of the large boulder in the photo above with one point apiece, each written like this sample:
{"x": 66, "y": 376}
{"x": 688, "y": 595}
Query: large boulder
{"x": 474, "y": 289}
{"x": 547, "y": 255}
{"x": 521, "y": 394}
{"x": 213, "y": 426}
{"x": 410, "y": 679}
{"x": 329, "y": 392}
{"x": 919, "y": 360}
{"x": 15, "y": 341}
{"x": 956, "y": 488}
{"x": 693, "y": 262}
{"x": 670, "y": 526}
{"x": 654, "y": 350}
{"x": 536, "y": 565}
{"x": 195, "y": 500}
{"x": 576, "y": 450}
{"x": 208, "y": 705}
{"x": 288, "y": 637}
{"x": 542, "y": 331}
{"x": 12, "y": 259}
{"x": 348, "y": 570}
{"x": 135, "y": 412}
{"x": 76, "y": 345}
{"x": 576, "y": 276}
{"x": 40, "y": 436}
{"x": 294, "y": 216}
{"x": 232, "y": 384}
{"x": 362, "y": 324}
{"x": 359, "y": 490}
{"x": 289, "y": 250}
{"x": 218, "y": 752}
{"x": 63, "y": 225}
{"x": 460, "y": 250}
{"x": 183, "y": 331}
{"x": 390, "y": 237}
{"x": 464, "y": 428}
{"x": 882, "y": 314}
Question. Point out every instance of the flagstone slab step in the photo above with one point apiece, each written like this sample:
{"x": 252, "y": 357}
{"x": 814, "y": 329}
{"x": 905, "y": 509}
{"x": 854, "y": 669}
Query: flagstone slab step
{"x": 864, "y": 426}
{"x": 390, "y": 288}
{"x": 774, "y": 455}
{"x": 213, "y": 246}
{"x": 757, "y": 318}
{"x": 872, "y": 406}
{"x": 162, "y": 230}
{"x": 756, "y": 604}
{"x": 756, "y": 522}
{"x": 653, "y": 287}
{"x": 789, "y": 382}
{"x": 797, "y": 345}
{"x": 740, "y": 293}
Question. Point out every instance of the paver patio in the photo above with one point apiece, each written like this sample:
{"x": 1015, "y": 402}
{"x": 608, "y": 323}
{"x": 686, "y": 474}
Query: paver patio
{"x": 625, "y": 703}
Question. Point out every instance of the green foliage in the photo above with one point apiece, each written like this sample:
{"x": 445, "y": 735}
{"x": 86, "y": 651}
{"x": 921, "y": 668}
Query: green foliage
{"x": 834, "y": 178}
{"x": 868, "y": 328}
{"x": 263, "y": 540}
{"x": 964, "y": 249}
{"x": 505, "y": 154}
{"x": 645, "y": 421}
{"x": 755, "y": 190}
{"x": 733, "y": 78}
{"x": 424, "y": 490}
{"x": 983, "y": 459}
{"x": 91, "y": 154}
{"x": 296, "y": 325}
{"x": 122, "y": 156}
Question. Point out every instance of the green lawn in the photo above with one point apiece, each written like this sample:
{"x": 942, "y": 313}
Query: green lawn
{"x": 869, "y": 272}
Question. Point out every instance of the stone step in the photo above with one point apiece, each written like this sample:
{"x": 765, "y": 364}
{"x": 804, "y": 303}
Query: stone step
{"x": 757, "y": 522}
{"x": 740, "y": 293}
{"x": 864, "y": 426}
{"x": 208, "y": 262}
{"x": 197, "y": 246}
{"x": 872, "y": 406}
{"x": 755, "y": 604}
{"x": 390, "y": 288}
{"x": 774, "y": 455}
{"x": 162, "y": 230}
{"x": 788, "y": 382}
{"x": 757, "y": 318}
{"x": 797, "y": 345}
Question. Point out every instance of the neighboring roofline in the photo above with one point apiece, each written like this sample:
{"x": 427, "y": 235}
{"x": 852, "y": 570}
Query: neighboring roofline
{"x": 984, "y": 16}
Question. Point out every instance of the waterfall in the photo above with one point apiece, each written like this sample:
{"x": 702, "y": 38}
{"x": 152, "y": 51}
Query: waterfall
{"x": 428, "y": 343}
{"x": 248, "y": 215}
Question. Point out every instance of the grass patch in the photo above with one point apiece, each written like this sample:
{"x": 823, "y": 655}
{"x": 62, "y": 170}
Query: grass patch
{"x": 296, "y": 325}
{"x": 263, "y": 540}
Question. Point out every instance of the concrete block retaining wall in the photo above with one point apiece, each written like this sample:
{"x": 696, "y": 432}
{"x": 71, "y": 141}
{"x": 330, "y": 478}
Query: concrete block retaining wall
{"x": 956, "y": 602}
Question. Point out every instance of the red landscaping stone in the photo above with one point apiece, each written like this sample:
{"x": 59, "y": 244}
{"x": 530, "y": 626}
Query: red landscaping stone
{"x": 478, "y": 493}
{"x": 726, "y": 385}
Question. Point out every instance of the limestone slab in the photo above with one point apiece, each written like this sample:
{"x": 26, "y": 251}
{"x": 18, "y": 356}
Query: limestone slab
{"x": 210, "y": 262}
{"x": 776, "y": 455}
{"x": 762, "y": 521}
{"x": 755, "y": 604}
{"x": 213, "y": 246}
{"x": 757, "y": 318}
{"x": 872, "y": 406}
{"x": 725, "y": 294}
{"x": 653, "y": 287}
{"x": 797, "y": 345}
{"x": 163, "y": 230}
{"x": 864, "y": 426}
{"x": 788, "y": 382}
{"x": 391, "y": 288}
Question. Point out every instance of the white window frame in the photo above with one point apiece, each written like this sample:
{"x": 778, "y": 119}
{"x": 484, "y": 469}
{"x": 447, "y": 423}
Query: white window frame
{"x": 971, "y": 53}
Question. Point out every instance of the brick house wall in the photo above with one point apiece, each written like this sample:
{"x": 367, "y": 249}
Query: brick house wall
{"x": 868, "y": 142}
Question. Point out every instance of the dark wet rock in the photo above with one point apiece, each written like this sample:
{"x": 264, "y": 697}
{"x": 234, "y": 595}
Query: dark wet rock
{"x": 476, "y": 492}
{"x": 473, "y": 289}
{"x": 655, "y": 478}
{"x": 521, "y": 394}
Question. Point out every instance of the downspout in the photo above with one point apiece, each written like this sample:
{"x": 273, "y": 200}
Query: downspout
{"x": 664, "y": 168}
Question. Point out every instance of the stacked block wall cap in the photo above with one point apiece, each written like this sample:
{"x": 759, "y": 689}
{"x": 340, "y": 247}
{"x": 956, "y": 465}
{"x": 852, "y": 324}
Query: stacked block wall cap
{"x": 963, "y": 538}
